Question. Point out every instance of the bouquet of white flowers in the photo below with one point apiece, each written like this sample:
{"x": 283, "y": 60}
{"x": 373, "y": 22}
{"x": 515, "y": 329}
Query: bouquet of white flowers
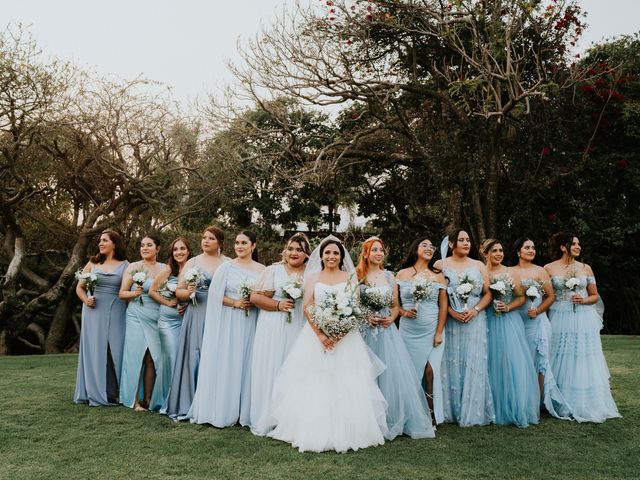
{"x": 293, "y": 290}
{"x": 375, "y": 298}
{"x": 501, "y": 286}
{"x": 422, "y": 289}
{"x": 89, "y": 279}
{"x": 194, "y": 276}
{"x": 466, "y": 286}
{"x": 535, "y": 290}
{"x": 572, "y": 282}
{"x": 168, "y": 290}
{"x": 139, "y": 277}
{"x": 337, "y": 314}
{"x": 245, "y": 289}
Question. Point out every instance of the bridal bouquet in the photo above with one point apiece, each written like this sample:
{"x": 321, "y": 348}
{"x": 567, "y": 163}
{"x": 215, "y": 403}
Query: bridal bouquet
{"x": 139, "y": 277}
{"x": 245, "y": 289}
{"x": 337, "y": 314}
{"x": 194, "y": 276}
{"x": 466, "y": 286}
{"x": 501, "y": 286}
{"x": 375, "y": 298}
{"x": 572, "y": 282}
{"x": 535, "y": 290}
{"x": 422, "y": 289}
{"x": 89, "y": 279}
{"x": 168, "y": 290}
{"x": 293, "y": 290}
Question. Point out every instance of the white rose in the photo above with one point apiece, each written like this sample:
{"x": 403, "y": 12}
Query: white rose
{"x": 295, "y": 292}
{"x": 532, "y": 292}
{"x": 139, "y": 277}
{"x": 172, "y": 287}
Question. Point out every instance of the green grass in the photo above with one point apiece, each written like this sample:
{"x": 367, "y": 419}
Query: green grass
{"x": 43, "y": 434}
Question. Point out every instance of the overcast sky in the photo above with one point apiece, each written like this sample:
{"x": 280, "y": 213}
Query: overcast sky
{"x": 186, "y": 43}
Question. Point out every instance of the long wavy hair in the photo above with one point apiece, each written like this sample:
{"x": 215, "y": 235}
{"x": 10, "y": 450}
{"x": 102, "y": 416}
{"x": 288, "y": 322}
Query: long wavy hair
{"x": 173, "y": 265}
{"x": 120, "y": 251}
{"x": 411, "y": 258}
{"x": 558, "y": 240}
{"x": 362, "y": 269}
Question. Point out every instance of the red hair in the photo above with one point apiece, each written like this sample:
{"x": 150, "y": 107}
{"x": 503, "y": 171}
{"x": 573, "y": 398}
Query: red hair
{"x": 362, "y": 270}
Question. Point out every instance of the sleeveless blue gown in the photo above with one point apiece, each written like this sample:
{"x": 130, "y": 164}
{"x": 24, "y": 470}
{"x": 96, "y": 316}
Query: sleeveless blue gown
{"x": 576, "y": 355}
{"x": 223, "y": 396}
{"x": 407, "y": 411}
{"x": 467, "y": 398}
{"x": 538, "y": 335}
{"x": 514, "y": 382}
{"x": 187, "y": 362}
{"x": 418, "y": 334}
{"x": 141, "y": 335}
{"x": 169, "y": 326}
{"x": 102, "y": 329}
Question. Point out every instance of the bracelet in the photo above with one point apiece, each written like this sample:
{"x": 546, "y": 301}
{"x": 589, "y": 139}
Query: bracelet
{"x": 476, "y": 309}
{"x": 278, "y": 306}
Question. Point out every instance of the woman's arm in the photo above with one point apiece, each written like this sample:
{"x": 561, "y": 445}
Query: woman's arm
{"x": 158, "y": 281}
{"x": 81, "y": 289}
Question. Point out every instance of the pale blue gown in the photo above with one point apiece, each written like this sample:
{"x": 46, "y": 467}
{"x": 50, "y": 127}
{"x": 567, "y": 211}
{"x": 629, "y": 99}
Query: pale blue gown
{"x": 223, "y": 396}
{"x": 467, "y": 398}
{"x": 514, "y": 381}
{"x": 141, "y": 335}
{"x": 538, "y": 334}
{"x": 275, "y": 335}
{"x": 187, "y": 362}
{"x": 169, "y": 326}
{"x": 102, "y": 329}
{"x": 576, "y": 354}
{"x": 407, "y": 411}
{"x": 418, "y": 334}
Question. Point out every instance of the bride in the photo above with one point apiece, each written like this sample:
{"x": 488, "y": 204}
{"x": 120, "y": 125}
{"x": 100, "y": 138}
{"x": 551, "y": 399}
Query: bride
{"x": 325, "y": 396}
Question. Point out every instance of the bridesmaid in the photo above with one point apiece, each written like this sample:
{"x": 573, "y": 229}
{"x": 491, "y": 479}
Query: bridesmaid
{"x": 103, "y": 324}
{"x": 466, "y": 390}
{"x": 407, "y": 410}
{"x": 163, "y": 291}
{"x": 422, "y": 322}
{"x": 185, "y": 372}
{"x": 223, "y": 397}
{"x": 279, "y": 322}
{"x": 576, "y": 354}
{"x": 537, "y": 288}
{"x": 141, "y": 359}
{"x": 513, "y": 379}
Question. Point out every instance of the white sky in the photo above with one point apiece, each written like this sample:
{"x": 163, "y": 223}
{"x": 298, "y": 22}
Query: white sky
{"x": 186, "y": 43}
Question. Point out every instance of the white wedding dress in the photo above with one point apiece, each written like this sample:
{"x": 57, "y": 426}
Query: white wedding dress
{"x": 329, "y": 400}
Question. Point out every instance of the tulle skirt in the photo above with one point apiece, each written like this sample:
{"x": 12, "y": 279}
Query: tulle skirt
{"x": 329, "y": 400}
{"x": 578, "y": 363}
{"x": 407, "y": 410}
{"x": 514, "y": 382}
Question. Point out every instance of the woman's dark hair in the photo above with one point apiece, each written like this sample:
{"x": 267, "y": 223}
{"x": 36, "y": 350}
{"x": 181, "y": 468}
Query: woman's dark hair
{"x": 216, "y": 232}
{"x": 412, "y": 256}
{"x": 331, "y": 241}
{"x": 453, "y": 238}
{"x": 486, "y": 247}
{"x": 560, "y": 239}
{"x": 173, "y": 265}
{"x": 252, "y": 237}
{"x": 517, "y": 246}
{"x": 120, "y": 251}
{"x": 303, "y": 241}
{"x": 155, "y": 238}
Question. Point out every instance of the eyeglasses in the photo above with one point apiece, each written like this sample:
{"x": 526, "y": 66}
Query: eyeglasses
{"x": 427, "y": 246}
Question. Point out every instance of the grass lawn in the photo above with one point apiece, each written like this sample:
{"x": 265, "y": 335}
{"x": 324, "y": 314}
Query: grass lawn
{"x": 43, "y": 434}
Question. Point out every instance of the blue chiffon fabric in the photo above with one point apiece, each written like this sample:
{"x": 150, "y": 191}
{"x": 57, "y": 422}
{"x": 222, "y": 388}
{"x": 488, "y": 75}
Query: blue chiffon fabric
{"x": 576, "y": 354}
{"x": 467, "y": 398}
{"x": 514, "y": 382}
{"x": 407, "y": 411}
{"x": 418, "y": 334}
{"x": 103, "y": 328}
{"x": 141, "y": 335}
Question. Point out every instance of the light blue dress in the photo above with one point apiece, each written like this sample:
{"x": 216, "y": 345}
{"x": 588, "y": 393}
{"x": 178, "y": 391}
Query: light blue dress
{"x": 102, "y": 329}
{"x": 141, "y": 335}
{"x": 538, "y": 335}
{"x": 576, "y": 354}
{"x": 514, "y": 382}
{"x": 223, "y": 396}
{"x": 467, "y": 398}
{"x": 276, "y": 333}
{"x": 407, "y": 411}
{"x": 418, "y": 334}
{"x": 169, "y": 326}
{"x": 187, "y": 362}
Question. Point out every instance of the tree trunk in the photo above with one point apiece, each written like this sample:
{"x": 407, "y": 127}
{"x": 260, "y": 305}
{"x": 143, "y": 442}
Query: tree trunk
{"x": 55, "y": 336}
{"x": 492, "y": 180}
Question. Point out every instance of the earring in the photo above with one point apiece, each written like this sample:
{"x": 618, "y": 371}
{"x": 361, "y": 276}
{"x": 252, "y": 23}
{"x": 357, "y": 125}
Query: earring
{"x": 219, "y": 251}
